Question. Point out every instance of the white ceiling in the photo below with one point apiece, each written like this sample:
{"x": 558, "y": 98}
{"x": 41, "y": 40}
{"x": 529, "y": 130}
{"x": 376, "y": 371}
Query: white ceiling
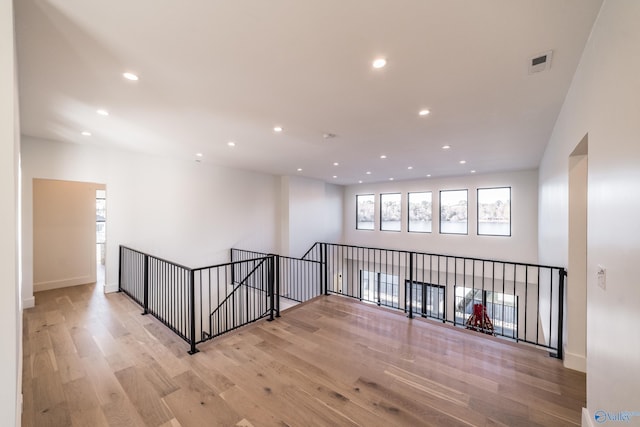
{"x": 218, "y": 71}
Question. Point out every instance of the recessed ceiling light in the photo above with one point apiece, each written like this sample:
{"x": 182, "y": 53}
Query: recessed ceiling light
{"x": 446, "y": 147}
{"x": 231, "y": 144}
{"x": 368, "y": 173}
{"x": 424, "y": 112}
{"x": 473, "y": 171}
{"x": 379, "y": 63}
{"x": 85, "y": 133}
{"x": 299, "y": 169}
{"x": 383, "y": 157}
{"x": 462, "y": 162}
{"x": 198, "y": 154}
{"x": 277, "y": 129}
{"x": 390, "y": 179}
{"x": 360, "y": 182}
{"x": 336, "y": 164}
{"x": 428, "y": 175}
{"x": 102, "y": 112}
{"x": 410, "y": 167}
{"x": 130, "y": 76}
{"x": 335, "y": 176}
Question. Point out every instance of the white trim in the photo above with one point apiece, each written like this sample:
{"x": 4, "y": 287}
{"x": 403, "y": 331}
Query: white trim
{"x": 29, "y": 302}
{"x": 111, "y": 288}
{"x": 587, "y": 419}
{"x": 577, "y": 362}
{"x": 64, "y": 283}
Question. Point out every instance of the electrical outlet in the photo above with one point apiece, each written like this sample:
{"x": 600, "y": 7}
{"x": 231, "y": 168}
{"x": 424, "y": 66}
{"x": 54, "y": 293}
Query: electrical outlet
{"x": 602, "y": 277}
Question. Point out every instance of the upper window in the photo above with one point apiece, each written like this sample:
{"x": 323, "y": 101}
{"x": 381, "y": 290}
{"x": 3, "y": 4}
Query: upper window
{"x": 453, "y": 212}
{"x": 390, "y": 212}
{"x": 494, "y": 211}
{"x": 420, "y": 212}
{"x": 365, "y": 211}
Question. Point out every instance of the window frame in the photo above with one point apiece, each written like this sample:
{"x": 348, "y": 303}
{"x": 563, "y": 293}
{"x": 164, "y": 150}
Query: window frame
{"x": 374, "y": 287}
{"x": 409, "y": 211}
{"x": 466, "y": 233}
{"x": 427, "y": 290}
{"x": 478, "y": 211}
{"x": 373, "y": 227}
{"x": 380, "y": 209}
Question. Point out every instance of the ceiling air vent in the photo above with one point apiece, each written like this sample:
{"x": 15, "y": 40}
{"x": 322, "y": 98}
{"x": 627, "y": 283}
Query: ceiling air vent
{"x": 540, "y": 62}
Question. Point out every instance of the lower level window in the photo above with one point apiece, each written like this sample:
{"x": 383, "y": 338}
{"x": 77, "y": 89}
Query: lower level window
{"x": 428, "y": 300}
{"x": 379, "y": 288}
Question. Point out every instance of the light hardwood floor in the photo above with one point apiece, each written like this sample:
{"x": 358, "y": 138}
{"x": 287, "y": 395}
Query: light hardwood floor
{"x": 92, "y": 360}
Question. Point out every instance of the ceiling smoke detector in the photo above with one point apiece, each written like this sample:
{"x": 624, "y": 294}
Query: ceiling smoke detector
{"x": 329, "y": 135}
{"x": 541, "y": 62}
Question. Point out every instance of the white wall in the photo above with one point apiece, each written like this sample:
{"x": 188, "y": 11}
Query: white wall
{"x": 10, "y": 310}
{"x": 312, "y": 212}
{"x": 187, "y": 212}
{"x": 603, "y": 103}
{"x": 521, "y": 246}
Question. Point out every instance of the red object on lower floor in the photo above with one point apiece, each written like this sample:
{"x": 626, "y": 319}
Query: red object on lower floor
{"x": 479, "y": 320}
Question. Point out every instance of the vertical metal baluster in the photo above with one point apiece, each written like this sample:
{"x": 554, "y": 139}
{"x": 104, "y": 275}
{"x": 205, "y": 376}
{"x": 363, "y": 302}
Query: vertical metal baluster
{"x": 277, "y": 285}
{"x": 526, "y": 296}
{"x": 146, "y": 284}
{"x": 193, "y": 314}
{"x": 538, "y": 310}
{"x": 550, "y": 301}
{"x": 410, "y": 308}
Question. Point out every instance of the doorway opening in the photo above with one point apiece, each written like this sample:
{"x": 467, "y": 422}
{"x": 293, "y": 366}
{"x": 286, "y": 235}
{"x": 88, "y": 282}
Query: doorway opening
{"x": 576, "y": 302}
{"x": 101, "y": 235}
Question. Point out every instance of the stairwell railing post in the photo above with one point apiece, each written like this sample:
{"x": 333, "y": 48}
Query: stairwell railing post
{"x": 409, "y": 306}
{"x": 120, "y": 272}
{"x": 192, "y": 312}
{"x": 563, "y": 274}
{"x": 325, "y": 269}
{"x": 271, "y": 281}
{"x": 277, "y": 284}
{"x": 145, "y": 281}
{"x": 233, "y": 270}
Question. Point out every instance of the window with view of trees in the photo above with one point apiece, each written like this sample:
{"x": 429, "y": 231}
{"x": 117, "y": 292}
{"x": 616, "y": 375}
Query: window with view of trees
{"x": 453, "y": 212}
{"x": 390, "y": 212}
{"x": 494, "y": 211}
{"x": 365, "y": 211}
{"x": 420, "y": 212}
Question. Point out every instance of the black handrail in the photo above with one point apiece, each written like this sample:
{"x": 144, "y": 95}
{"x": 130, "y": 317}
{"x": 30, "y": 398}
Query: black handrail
{"x": 296, "y": 279}
{"x": 430, "y": 284}
{"x": 433, "y": 254}
{"x": 178, "y": 297}
{"x": 373, "y": 275}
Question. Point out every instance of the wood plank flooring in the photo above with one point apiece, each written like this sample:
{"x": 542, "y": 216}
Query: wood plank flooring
{"x": 92, "y": 360}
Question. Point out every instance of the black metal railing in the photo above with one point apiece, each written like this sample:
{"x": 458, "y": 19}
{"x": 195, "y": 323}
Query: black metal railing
{"x": 296, "y": 279}
{"x": 199, "y": 304}
{"x": 520, "y": 301}
{"x": 239, "y": 302}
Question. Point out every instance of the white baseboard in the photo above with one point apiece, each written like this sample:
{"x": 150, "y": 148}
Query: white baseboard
{"x": 587, "y": 419}
{"x": 110, "y": 288}
{"x": 29, "y": 302}
{"x": 577, "y": 362}
{"x": 64, "y": 283}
